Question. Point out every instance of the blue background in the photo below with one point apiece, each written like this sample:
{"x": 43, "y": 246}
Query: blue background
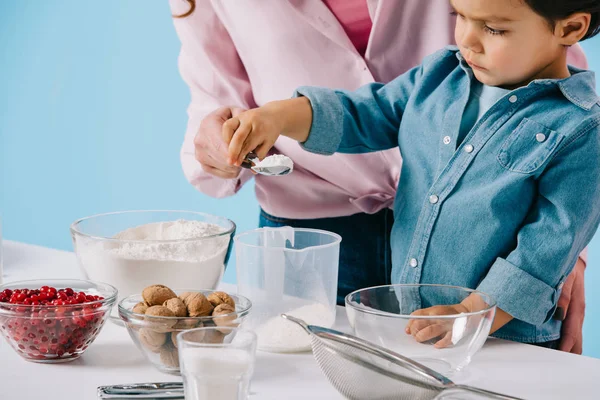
{"x": 92, "y": 115}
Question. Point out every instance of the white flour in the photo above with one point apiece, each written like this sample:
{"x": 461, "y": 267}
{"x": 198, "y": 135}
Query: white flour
{"x": 283, "y": 336}
{"x": 136, "y": 262}
{"x": 276, "y": 160}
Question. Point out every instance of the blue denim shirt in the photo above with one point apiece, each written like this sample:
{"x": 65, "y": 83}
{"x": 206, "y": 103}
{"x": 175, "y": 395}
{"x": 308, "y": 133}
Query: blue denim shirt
{"x": 508, "y": 210}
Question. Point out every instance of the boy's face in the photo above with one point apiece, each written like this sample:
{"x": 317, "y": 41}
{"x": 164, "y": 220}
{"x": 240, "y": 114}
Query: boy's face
{"x": 506, "y": 43}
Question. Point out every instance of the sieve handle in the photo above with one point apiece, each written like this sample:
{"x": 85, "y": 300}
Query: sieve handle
{"x": 488, "y": 393}
{"x": 297, "y": 321}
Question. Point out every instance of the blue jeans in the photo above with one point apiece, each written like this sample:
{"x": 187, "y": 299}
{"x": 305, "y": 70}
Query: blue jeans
{"x": 365, "y": 253}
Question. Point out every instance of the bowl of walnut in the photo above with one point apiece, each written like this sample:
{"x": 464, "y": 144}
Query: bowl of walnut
{"x": 155, "y": 317}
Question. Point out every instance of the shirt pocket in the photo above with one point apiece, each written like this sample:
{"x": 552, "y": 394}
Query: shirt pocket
{"x": 528, "y": 147}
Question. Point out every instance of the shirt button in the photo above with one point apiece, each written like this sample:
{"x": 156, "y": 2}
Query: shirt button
{"x": 540, "y": 137}
{"x": 413, "y": 262}
{"x": 513, "y": 99}
{"x": 446, "y": 139}
{"x": 433, "y": 199}
{"x": 469, "y": 148}
{"x": 560, "y": 285}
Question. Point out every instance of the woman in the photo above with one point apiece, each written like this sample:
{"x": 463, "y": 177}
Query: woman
{"x": 239, "y": 55}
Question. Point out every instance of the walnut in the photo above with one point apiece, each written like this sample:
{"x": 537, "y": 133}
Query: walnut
{"x": 160, "y": 324}
{"x": 217, "y": 298}
{"x": 156, "y": 295}
{"x": 187, "y": 323}
{"x": 213, "y": 336}
{"x": 140, "y": 308}
{"x": 224, "y": 321}
{"x": 209, "y": 323}
{"x": 169, "y": 356}
{"x": 198, "y": 305}
{"x": 174, "y": 338}
{"x": 195, "y": 336}
{"x": 183, "y": 295}
{"x": 152, "y": 340}
{"x": 179, "y": 330}
{"x": 177, "y": 306}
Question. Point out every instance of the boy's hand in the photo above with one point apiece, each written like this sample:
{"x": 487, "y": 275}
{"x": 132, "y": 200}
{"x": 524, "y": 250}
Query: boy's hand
{"x": 253, "y": 130}
{"x": 432, "y": 329}
{"x": 424, "y": 330}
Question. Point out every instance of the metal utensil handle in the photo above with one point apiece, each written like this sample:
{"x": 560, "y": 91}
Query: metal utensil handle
{"x": 488, "y": 393}
{"x": 303, "y": 324}
{"x": 248, "y": 162}
{"x": 160, "y": 390}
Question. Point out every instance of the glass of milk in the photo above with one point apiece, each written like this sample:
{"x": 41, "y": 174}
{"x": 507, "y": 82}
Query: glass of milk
{"x": 216, "y": 362}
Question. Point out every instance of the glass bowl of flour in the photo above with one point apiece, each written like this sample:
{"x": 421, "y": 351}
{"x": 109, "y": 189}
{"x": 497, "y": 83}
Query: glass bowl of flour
{"x": 135, "y": 249}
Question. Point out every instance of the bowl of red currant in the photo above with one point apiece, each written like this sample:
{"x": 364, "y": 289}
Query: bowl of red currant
{"x": 52, "y": 321}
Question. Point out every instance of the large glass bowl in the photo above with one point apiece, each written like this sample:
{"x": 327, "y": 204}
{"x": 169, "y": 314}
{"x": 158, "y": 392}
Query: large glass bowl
{"x": 381, "y": 315}
{"x": 133, "y": 264}
{"x": 52, "y": 333}
{"x": 156, "y": 336}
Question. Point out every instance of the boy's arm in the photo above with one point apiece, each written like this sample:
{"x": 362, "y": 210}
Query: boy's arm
{"x": 324, "y": 121}
{"x": 527, "y": 283}
{"x": 358, "y": 121}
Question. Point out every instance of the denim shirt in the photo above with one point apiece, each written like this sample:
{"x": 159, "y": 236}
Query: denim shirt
{"x": 508, "y": 210}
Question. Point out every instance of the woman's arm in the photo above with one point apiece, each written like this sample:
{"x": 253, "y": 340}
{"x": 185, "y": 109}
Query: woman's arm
{"x": 209, "y": 64}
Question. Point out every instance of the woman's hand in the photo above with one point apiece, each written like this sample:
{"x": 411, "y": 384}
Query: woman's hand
{"x": 209, "y": 149}
{"x": 572, "y": 304}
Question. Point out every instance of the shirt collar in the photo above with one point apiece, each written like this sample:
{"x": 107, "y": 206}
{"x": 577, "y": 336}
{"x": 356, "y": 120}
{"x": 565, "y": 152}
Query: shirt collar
{"x": 579, "y": 88}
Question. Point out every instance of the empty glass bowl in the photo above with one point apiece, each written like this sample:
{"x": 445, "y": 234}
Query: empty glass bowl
{"x": 381, "y": 315}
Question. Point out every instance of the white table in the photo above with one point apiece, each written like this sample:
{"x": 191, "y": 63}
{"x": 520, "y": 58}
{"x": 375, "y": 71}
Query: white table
{"x": 520, "y": 370}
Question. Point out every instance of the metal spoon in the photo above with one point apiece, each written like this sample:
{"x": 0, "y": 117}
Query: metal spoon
{"x": 251, "y": 160}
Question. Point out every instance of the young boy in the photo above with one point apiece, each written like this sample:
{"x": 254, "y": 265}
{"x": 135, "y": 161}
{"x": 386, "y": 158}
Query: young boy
{"x": 500, "y": 139}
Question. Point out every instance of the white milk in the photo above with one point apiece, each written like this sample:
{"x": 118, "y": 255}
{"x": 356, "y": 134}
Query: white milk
{"x": 216, "y": 373}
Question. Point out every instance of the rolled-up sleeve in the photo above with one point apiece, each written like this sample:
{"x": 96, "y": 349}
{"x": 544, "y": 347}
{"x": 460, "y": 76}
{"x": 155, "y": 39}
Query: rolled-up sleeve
{"x": 526, "y": 284}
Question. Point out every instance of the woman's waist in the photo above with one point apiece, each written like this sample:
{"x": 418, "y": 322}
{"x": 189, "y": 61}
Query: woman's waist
{"x": 301, "y": 195}
{"x": 330, "y": 186}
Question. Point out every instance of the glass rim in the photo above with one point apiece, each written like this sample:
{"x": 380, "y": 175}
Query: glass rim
{"x": 251, "y": 334}
{"x": 355, "y": 306}
{"x": 75, "y": 231}
{"x": 238, "y": 239}
{"x": 108, "y": 300}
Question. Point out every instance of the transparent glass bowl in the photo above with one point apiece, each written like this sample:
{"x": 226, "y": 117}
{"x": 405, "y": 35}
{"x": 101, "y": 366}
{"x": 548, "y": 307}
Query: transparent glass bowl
{"x": 132, "y": 265}
{"x": 54, "y": 334}
{"x": 381, "y": 314}
{"x": 156, "y": 337}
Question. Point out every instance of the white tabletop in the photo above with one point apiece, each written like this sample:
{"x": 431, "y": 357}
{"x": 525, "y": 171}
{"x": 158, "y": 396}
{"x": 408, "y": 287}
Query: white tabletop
{"x": 520, "y": 370}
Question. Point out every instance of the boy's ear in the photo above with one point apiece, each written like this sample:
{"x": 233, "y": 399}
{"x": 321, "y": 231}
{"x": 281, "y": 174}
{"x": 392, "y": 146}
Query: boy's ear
{"x": 570, "y": 30}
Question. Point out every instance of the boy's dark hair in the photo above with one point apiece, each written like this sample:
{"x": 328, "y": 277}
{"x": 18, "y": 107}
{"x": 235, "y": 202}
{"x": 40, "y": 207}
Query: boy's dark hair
{"x": 554, "y": 10}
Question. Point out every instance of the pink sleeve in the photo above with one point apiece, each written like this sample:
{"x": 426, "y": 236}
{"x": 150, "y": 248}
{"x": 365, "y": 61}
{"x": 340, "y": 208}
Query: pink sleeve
{"x": 576, "y": 57}
{"x": 209, "y": 64}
